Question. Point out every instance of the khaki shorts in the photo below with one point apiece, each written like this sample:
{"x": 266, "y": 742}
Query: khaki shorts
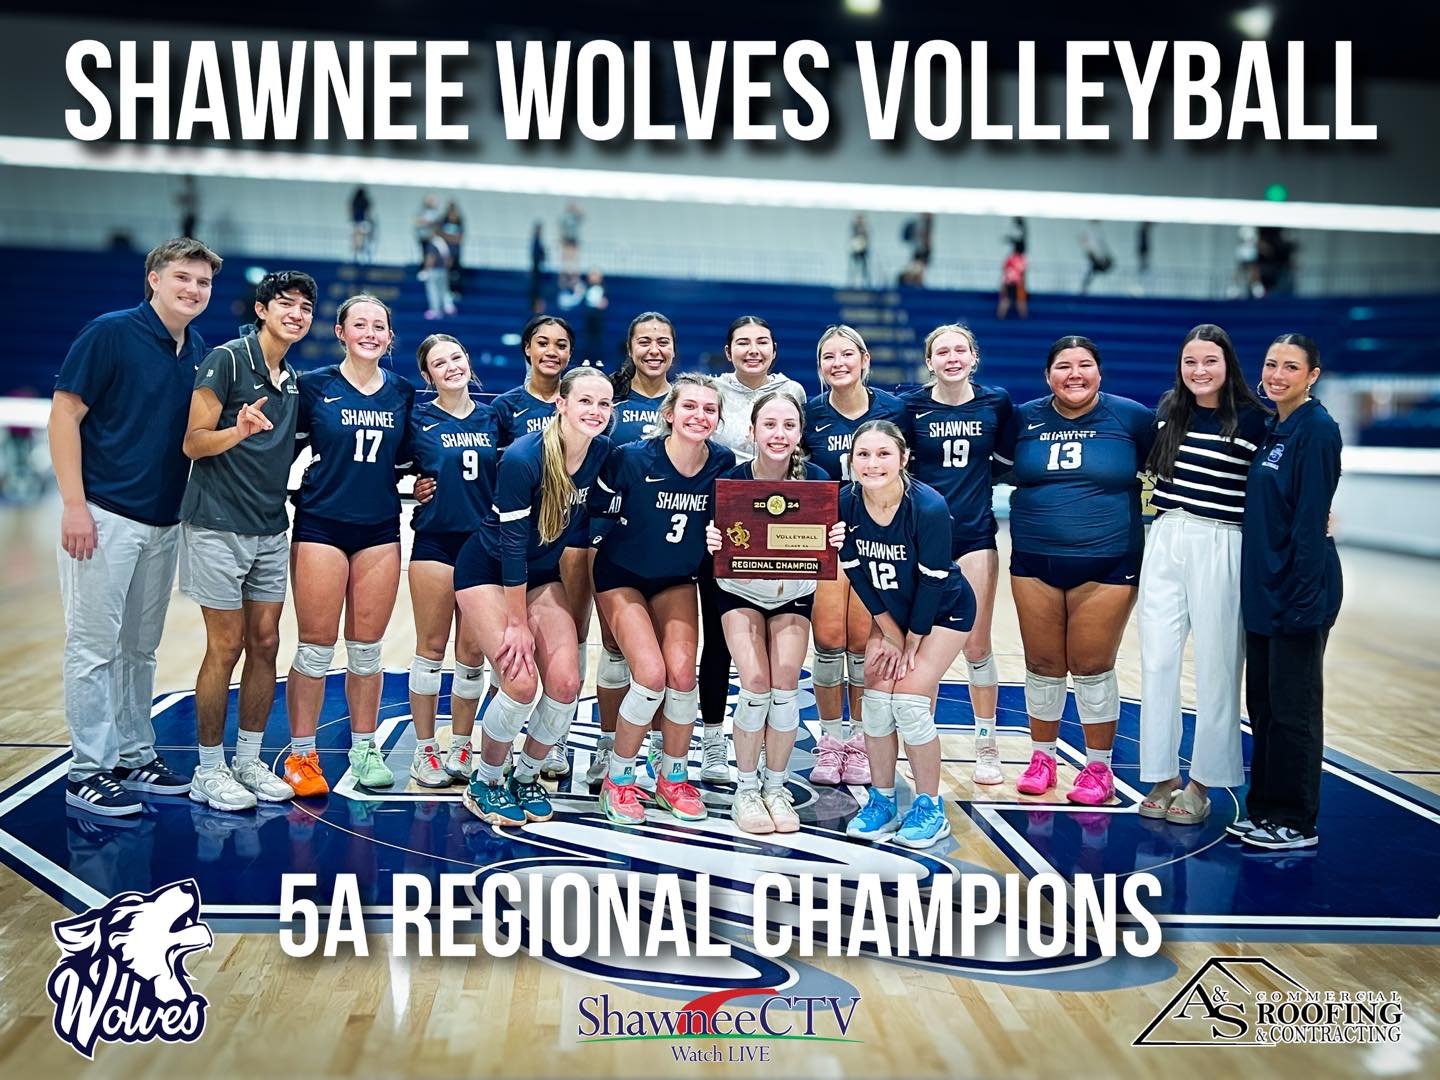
{"x": 220, "y": 569}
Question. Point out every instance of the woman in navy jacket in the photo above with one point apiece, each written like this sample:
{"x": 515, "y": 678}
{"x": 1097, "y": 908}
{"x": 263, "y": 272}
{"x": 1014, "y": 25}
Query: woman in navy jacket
{"x": 1290, "y": 594}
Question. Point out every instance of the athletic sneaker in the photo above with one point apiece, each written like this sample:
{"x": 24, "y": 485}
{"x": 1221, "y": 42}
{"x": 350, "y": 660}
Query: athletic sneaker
{"x": 304, "y": 776}
{"x": 780, "y": 802}
{"x": 987, "y": 765}
{"x": 102, "y": 794}
{"x": 426, "y": 768}
{"x": 1241, "y": 827}
{"x": 621, "y": 803}
{"x": 218, "y": 789}
{"x": 557, "y": 762}
{"x": 749, "y": 812}
{"x": 680, "y": 798}
{"x": 876, "y": 821}
{"x": 714, "y": 756}
{"x": 924, "y": 824}
{"x": 599, "y": 765}
{"x": 1039, "y": 777}
{"x": 494, "y": 803}
{"x": 261, "y": 782}
{"x": 368, "y": 766}
{"x": 856, "y": 769}
{"x": 1280, "y": 837}
{"x": 534, "y": 800}
{"x": 457, "y": 761}
{"x": 829, "y": 761}
{"x": 154, "y": 778}
{"x": 1094, "y": 786}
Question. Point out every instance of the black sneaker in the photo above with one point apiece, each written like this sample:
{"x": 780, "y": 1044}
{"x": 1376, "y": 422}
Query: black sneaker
{"x": 153, "y": 779}
{"x": 1239, "y": 828}
{"x": 101, "y": 794}
{"x": 1279, "y": 837}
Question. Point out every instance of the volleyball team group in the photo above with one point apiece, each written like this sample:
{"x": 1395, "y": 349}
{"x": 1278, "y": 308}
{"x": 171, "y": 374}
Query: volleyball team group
{"x": 583, "y": 491}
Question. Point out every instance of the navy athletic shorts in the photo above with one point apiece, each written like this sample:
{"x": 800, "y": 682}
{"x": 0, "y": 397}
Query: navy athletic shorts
{"x": 475, "y": 566}
{"x": 441, "y": 547}
{"x": 610, "y": 576}
{"x": 345, "y": 535}
{"x": 1071, "y": 571}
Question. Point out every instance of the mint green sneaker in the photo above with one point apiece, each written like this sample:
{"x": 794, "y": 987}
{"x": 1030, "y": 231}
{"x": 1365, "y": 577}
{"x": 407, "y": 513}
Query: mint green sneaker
{"x": 368, "y": 766}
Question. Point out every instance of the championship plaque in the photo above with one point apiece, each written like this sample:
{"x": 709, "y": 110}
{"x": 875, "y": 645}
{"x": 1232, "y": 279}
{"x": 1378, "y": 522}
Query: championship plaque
{"x": 776, "y": 528}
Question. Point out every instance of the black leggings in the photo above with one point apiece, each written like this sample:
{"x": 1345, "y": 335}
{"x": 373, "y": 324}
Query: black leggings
{"x": 714, "y": 679}
{"x": 1284, "y": 695}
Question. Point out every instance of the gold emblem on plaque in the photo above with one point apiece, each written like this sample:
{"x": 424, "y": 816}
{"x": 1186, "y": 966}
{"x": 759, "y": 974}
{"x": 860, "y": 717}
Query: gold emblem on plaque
{"x": 775, "y": 505}
{"x": 739, "y": 535}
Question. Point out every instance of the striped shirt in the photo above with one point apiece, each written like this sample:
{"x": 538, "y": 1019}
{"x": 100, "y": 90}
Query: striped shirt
{"x": 1210, "y": 470}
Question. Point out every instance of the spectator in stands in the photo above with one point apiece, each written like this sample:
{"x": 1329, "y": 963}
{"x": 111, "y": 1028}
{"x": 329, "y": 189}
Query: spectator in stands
{"x": 1247, "y": 264}
{"x": 1098, "y": 259}
{"x": 427, "y": 223}
{"x": 596, "y": 301}
{"x": 537, "y": 270}
{"x": 1275, "y": 258}
{"x": 569, "y": 291}
{"x": 1012, "y": 283}
{"x": 859, "y": 252}
{"x": 452, "y": 231}
{"x": 187, "y": 199}
{"x": 919, "y": 234}
{"x": 362, "y": 227}
{"x": 435, "y": 273}
{"x": 570, "y": 236}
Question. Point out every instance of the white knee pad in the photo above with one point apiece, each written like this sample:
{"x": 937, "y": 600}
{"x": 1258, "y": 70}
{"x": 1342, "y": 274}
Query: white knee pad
{"x": 983, "y": 672}
{"x": 751, "y": 710}
{"x": 914, "y": 719}
{"x": 425, "y": 676}
{"x": 613, "y": 672}
{"x": 551, "y": 720}
{"x": 829, "y": 667}
{"x": 784, "y": 710}
{"x": 639, "y": 703}
{"x": 682, "y": 706}
{"x": 469, "y": 682}
{"x": 877, "y": 714}
{"x": 362, "y": 657}
{"x": 1097, "y": 698}
{"x": 1044, "y": 696}
{"x": 313, "y": 660}
{"x": 505, "y": 717}
{"x": 855, "y": 668}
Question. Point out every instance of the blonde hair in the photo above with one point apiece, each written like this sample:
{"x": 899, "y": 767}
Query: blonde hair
{"x": 952, "y": 328}
{"x": 557, "y": 487}
{"x": 797, "y": 456}
{"x": 850, "y": 334}
{"x": 689, "y": 378}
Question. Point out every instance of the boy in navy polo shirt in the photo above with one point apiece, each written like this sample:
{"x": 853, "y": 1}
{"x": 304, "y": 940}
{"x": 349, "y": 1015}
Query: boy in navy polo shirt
{"x": 116, "y": 425}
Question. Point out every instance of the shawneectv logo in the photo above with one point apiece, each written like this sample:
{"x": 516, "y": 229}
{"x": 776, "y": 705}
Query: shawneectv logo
{"x": 812, "y": 1019}
{"x": 121, "y": 975}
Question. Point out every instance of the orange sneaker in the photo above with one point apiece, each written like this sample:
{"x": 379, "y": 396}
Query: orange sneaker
{"x": 304, "y": 775}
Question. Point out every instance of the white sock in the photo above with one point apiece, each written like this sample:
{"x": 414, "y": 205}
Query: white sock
{"x": 674, "y": 768}
{"x": 622, "y": 769}
{"x": 212, "y": 757}
{"x": 833, "y": 728}
{"x": 1044, "y": 747}
{"x": 775, "y": 778}
{"x": 888, "y": 792}
{"x": 1098, "y": 755}
{"x": 985, "y": 731}
{"x": 487, "y": 773}
{"x": 527, "y": 768}
{"x": 747, "y": 780}
{"x": 247, "y": 745}
{"x": 301, "y": 745}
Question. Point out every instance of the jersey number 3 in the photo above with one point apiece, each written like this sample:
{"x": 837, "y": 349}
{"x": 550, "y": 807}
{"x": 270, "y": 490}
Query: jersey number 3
{"x": 1064, "y": 456}
{"x": 677, "y": 527}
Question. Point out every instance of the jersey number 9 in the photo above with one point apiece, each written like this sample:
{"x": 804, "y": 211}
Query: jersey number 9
{"x": 470, "y": 464}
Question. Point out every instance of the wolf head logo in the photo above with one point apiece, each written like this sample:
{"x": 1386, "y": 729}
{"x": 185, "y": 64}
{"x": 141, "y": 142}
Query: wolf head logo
{"x": 121, "y": 974}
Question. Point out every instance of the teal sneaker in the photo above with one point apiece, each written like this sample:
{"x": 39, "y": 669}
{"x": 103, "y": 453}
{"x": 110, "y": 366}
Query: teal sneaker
{"x": 494, "y": 803}
{"x": 876, "y": 821}
{"x": 533, "y": 800}
{"x": 924, "y": 824}
{"x": 367, "y": 765}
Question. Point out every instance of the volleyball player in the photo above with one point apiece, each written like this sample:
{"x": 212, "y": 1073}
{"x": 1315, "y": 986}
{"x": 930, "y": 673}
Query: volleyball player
{"x": 645, "y": 572}
{"x": 345, "y": 548}
{"x": 952, "y": 424}
{"x": 897, "y": 555}
{"x": 513, "y": 604}
{"x": 453, "y": 440}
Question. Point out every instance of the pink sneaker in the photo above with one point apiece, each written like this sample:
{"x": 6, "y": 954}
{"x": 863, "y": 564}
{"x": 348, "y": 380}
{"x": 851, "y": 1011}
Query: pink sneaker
{"x": 680, "y": 798}
{"x": 828, "y": 761}
{"x": 1095, "y": 786}
{"x": 1039, "y": 777}
{"x": 857, "y": 761}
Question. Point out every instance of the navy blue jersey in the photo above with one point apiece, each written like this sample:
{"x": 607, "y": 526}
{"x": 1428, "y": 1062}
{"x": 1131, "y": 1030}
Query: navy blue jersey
{"x": 511, "y": 533}
{"x": 828, "y": 432}
{"x": 519, "y": 412}
{"x": 635, "y": 418}
{"x": 902, "y": 568}
{"x": 660, "y": 530}
{"x": 746, "y": 471}
{"x": 460, "y": 454}
{"x": 359, "y": 440}
{"x": 951, "y": 448}
{"x": 1077, "y": 483}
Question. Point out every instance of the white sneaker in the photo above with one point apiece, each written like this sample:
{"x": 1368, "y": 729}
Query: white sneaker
{"x": 218, "y": 789}
{"x": 556, "y": 764}
{"x": 749, "y": 812}
{"x": 600, "y": 762}
{"x": 778, "y": 801}
{"x": 457, "y": 761}
{"x": 714, "y": 756}
{"x": 987, "y": 765}
{"x": 260, "y": 781}
{"x": 426, "y": 769}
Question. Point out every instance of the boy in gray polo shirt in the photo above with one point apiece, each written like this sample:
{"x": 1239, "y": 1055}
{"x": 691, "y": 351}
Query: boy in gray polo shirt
{"x": 235, "y": 550}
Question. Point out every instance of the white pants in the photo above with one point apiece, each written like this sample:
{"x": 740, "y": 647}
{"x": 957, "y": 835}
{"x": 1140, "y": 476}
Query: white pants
{"x": 115, "y": 604}
{"x": 1190, "y": 580}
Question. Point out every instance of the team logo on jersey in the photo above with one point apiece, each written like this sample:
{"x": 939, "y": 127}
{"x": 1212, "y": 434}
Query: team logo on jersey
{"x": 121, "y": 975}
{"x": 739, "y": 535}
{"x": 1272, "y": 460}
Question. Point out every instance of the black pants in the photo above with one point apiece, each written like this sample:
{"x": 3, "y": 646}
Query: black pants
{"x": 1284, "y": 695}
{"x": 714, "y": 678}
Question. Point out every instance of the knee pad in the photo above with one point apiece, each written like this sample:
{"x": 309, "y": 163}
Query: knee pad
{"x": 639, "y": 703}
{"x": 983, "y": 672}
{"x": 1044, "y": 696}
{"x": 751, "y": 710}
{"x": 914, "y": 719}
{"x": 425, "y": 676}
{"x": 855, "y": 668}
{"x": 362, "y": 657}
{"x": 469, "y": 683}
{"x": 829, "y": 667}
{"x": 682, "y": 706}
{"x": 1097, "y": 698}
{"x": 505, "y": 717}
{"x": 613, "y": 672}
{"x": 551, "y": 720}
{"x": 877, "y": 714}
{"x": 784, "y": 710}
{"x": 313, "y": 660}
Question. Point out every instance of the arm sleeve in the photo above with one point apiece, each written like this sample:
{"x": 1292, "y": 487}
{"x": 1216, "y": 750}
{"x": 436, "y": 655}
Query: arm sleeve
{"x": 515, "y": 489}
{"x": 89, "y": 366}
{"x": 1142, "y": 426}
{"x": 1316, "y": 480}
{"x": 932, "y": 547}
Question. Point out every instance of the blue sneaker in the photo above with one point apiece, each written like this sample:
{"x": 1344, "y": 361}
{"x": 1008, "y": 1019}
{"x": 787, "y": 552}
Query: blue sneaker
{"x": 533, "y": 800}
{"x": 878, "y": 820}
{"x": 924, "y": 824}
{"x": 494, "y": 803}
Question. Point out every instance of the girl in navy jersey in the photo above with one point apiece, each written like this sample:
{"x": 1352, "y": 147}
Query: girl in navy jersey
{"x": 952, "y": 425}
{"x": 842, "y": 625}
{"x": 453, "y": 439}
{"x": 346, "y": 543}
{"x": 1207, "y": 429}
{"x": 645, "y": 572}
{"x": 767, "y": 628}
{"x": 897, "y": 555}
{"x": 1075, "y": 534}
{"x": 545, "y": 342}
{"x": 512, "y": 602}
